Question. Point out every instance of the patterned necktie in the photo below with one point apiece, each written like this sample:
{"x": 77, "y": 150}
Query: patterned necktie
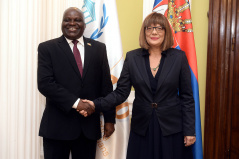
{"x": 77, "y": 56}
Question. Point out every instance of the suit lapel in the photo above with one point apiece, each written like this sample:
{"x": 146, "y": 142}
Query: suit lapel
{"x": 88, "y": 54}
{"x": 62, "y": 43}
{"x": 140, "y": 61}
{"x": 168, "y": 63}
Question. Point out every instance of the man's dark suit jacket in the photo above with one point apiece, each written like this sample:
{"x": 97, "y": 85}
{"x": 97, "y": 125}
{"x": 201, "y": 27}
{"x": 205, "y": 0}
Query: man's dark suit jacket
{"x": 59, "y": 80}
{"x": 176, "y": 108}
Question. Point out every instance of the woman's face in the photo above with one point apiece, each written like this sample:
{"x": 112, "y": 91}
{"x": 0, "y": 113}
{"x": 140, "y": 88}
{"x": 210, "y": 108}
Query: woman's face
{"x": 154, "y": 35}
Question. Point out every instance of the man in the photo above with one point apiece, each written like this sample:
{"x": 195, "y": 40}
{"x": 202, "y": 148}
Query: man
{"x": 72, "y": 68}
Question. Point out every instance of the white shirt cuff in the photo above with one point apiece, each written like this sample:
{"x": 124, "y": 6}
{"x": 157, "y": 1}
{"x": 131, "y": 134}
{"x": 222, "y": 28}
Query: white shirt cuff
{"x": 76, "y": 103}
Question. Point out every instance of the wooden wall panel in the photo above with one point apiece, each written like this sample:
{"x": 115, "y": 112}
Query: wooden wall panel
{"x": 222, "y": 90}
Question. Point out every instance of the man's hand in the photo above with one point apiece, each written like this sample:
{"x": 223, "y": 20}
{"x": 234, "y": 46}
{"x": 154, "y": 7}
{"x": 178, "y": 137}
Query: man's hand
{"x": 109, "y": 128}
{"x": 85, "y": 108}
{"x": 85, "y": 112}
{"x": 189, "y": 140}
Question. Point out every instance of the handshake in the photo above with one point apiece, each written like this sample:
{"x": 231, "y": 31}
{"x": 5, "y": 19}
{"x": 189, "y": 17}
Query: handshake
{"x": 85, "y": 107}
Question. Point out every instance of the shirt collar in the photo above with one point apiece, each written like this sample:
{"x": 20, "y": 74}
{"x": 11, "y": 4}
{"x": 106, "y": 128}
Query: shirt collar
{"x": 146, "y": 52}
{"x": 81, "y": 40}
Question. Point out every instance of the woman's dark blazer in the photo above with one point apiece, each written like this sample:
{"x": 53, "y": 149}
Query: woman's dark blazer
{"x": 174, "y": 97}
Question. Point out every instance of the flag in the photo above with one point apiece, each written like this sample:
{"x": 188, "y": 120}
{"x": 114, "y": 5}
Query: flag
{"x": 178, "y": 14}
{"x": 102, "y": 25}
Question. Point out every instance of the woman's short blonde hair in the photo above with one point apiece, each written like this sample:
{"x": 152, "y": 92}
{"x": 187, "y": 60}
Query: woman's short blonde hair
{"x": 156, "y": 18}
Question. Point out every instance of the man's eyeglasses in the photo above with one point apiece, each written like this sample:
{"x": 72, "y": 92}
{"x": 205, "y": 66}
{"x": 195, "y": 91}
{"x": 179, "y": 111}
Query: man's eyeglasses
{"x": 158, "y": 29}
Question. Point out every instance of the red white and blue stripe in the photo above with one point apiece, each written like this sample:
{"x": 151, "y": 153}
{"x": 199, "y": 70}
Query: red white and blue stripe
{"x": 185, "y": 41}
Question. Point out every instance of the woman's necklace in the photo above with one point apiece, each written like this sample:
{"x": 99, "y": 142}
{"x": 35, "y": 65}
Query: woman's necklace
{"x": 154, "y": 69}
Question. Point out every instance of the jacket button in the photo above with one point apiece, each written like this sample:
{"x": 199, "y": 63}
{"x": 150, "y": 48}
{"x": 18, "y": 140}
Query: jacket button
{"x": 154, "y": 105}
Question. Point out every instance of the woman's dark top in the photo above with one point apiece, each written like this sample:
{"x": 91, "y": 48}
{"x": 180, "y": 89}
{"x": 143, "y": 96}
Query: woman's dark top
{"x": 153, "y": 80}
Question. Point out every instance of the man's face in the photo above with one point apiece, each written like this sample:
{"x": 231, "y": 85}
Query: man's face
{"x": 73, "y": 24}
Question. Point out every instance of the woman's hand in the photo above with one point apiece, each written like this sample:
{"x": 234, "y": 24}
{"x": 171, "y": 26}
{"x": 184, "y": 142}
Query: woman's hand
{"x": 189, "y": 140}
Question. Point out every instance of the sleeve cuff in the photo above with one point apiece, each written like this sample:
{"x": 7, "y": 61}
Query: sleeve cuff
{"x": 76, "y": 103}
{"x": 110, "y": 119}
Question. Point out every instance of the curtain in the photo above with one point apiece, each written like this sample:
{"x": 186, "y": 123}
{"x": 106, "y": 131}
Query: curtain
{"x": 23, "y": 25}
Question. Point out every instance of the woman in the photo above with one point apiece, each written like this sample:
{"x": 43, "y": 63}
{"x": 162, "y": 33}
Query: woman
{"x": 163, "y": 116}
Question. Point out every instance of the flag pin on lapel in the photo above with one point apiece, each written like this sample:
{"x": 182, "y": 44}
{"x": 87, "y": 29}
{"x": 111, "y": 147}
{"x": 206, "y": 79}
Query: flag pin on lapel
{"x": 89, "y": 44}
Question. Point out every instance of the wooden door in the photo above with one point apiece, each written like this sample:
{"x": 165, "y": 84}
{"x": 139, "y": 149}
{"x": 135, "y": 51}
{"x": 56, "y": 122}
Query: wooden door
{"x": 221, "y": 139}
{"x": 234, "y": 134}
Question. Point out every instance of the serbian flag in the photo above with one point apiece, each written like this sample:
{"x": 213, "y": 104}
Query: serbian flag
{"x": 102, "y": 25}
{"x": 179, "y": 17}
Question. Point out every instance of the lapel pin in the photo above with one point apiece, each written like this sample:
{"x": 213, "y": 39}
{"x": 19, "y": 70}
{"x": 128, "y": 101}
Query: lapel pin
{"x": 89, "y": 44}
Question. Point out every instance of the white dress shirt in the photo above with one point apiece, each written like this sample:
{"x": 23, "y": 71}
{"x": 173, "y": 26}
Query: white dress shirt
{"x": 81, "y": 48}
